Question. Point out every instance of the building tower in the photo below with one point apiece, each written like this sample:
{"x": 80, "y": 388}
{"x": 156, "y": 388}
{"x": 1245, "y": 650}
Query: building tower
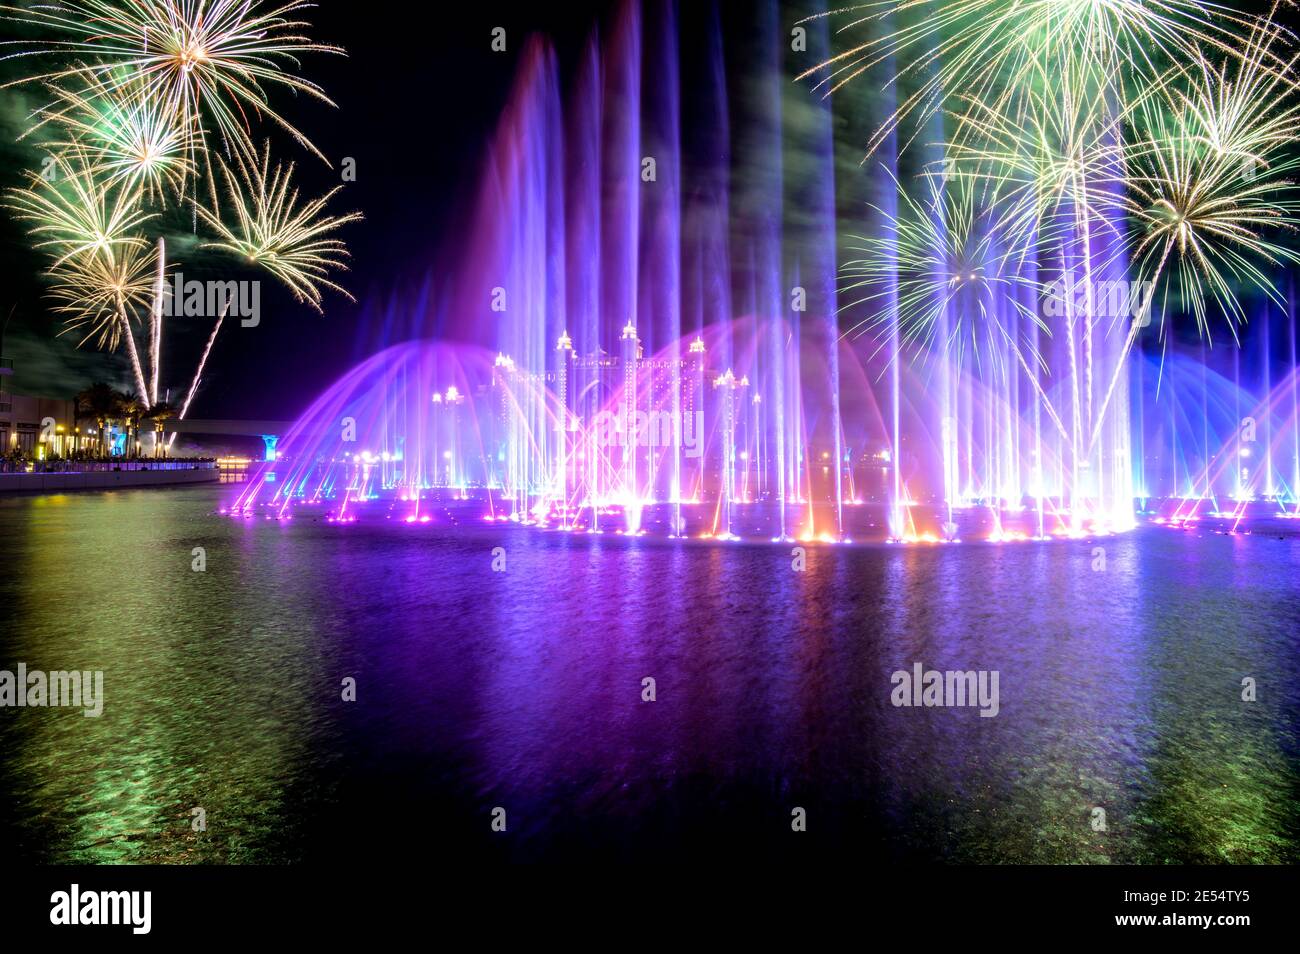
{"x": 564, "y": 358}
{"x": 629, "y": 355}
{"x": 695, "y": 411}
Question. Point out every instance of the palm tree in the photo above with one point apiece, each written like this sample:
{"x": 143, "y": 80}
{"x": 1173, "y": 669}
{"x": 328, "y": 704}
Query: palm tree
{"x": 134, "y": 409}
{"x": 157, "y": 413}
{"x": 102, "y": 404}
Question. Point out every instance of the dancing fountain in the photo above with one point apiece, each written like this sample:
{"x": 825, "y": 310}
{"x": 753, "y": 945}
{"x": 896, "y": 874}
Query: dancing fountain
{"x": 643, "y": 333}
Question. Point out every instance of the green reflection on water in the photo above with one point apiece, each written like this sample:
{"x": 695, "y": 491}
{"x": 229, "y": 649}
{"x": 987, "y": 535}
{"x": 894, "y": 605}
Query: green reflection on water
{"x": 221, "y": 688}
{"x": 203, "y": 705}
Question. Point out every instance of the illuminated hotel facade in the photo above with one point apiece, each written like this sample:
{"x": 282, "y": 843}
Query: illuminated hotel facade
{"x": 622, "y": 426}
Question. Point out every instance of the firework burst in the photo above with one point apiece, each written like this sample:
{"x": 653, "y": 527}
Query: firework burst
{"x": 943, "y": 275}
{"x": 100, "y": 295}
{"x": 951, "y": 275}
{"x": 1062, "y": 157}
{"x": 196, "y": 57}
{"x": 272, "y": 229}
{"x": 989, "y": 49}
{"x": 74, "y": 213}
{"x": 132, "y": 136}
{"x": 1208, "y": 219}
{"x": 1210, "y": 213}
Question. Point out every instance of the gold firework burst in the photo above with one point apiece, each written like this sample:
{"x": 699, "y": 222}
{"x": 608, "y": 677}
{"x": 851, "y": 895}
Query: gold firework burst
{"x": 271, "y": 228}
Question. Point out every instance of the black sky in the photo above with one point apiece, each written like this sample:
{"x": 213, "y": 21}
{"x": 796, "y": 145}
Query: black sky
{"x": 418, "y": 94}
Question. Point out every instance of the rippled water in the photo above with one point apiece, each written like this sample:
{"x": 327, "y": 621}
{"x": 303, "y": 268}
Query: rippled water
{"x": 523, "y": 690}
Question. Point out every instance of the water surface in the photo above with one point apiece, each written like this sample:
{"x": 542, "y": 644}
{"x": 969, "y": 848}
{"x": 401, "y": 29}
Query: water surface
{"x": 1119, "y": 689}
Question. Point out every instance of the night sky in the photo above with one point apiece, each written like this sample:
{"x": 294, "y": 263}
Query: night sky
{"x": 417, "y": 102}
{"x": 418, "y": 99}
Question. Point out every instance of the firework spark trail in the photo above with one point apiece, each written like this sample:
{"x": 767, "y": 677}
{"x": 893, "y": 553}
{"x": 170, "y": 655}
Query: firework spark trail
{"x": 156, "y": 319}
{"x": 198, "y": 371}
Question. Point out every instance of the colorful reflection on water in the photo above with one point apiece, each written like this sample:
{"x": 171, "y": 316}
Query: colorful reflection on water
{"x": 1120, "y": 689}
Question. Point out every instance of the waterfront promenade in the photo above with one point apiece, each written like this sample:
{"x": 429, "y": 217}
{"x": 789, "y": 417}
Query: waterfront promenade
{"x": 107, "y": 475}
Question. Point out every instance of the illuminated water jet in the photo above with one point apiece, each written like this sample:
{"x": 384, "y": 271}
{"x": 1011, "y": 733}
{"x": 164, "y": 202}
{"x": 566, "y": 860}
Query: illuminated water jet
{"x": 641, "y": 336}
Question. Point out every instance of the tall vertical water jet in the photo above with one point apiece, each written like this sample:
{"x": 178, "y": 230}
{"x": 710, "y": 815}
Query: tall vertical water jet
{"x": 824, "y": 259}
{"x": 661, "y": 222}
{"x": 620, "y": 234}
{"x": 660, "y": 211}
{"x": 583, "y": 259}
{"x": 1295, "y": 394}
